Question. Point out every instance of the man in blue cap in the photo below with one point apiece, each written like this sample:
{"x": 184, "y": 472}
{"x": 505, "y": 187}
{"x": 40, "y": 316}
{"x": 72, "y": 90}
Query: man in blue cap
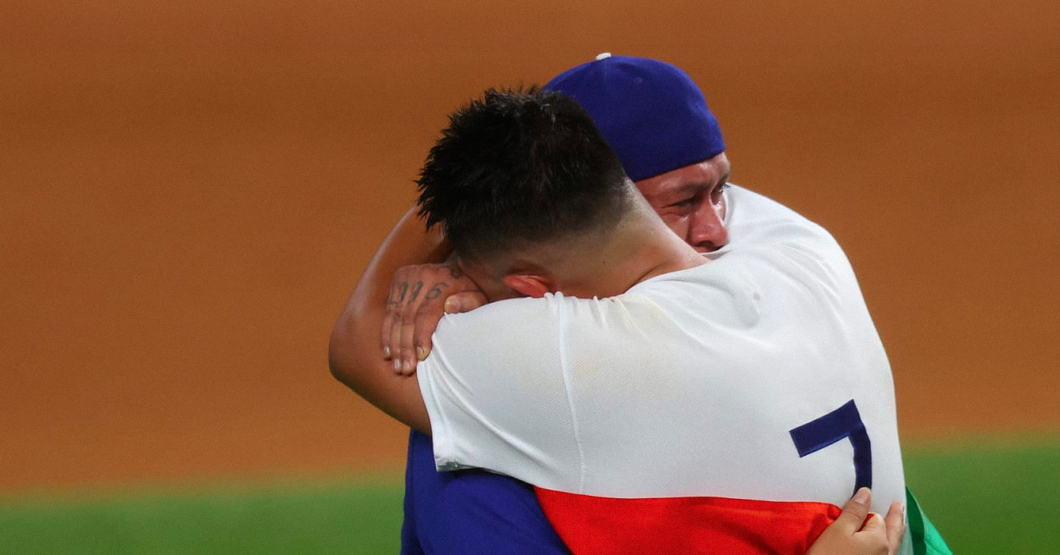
{"x": 674, "y": 151}
{"x": 657, "y": 121}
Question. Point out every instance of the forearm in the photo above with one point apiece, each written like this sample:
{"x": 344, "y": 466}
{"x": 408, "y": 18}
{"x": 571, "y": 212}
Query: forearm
{"x": 354, "y": 354}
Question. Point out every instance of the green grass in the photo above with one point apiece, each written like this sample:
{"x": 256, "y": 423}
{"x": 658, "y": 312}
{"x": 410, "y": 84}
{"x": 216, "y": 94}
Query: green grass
{"x": 351, "y": 519}
{"x": 997, "y": 499}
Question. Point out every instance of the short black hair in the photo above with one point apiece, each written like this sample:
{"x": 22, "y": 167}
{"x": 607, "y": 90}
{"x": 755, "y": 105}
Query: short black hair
{"x": 519, "y": 167}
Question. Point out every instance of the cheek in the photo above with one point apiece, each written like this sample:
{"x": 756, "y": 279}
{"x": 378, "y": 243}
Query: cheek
{"x": 678, "y": 223}
{"x": 721, "y": 207}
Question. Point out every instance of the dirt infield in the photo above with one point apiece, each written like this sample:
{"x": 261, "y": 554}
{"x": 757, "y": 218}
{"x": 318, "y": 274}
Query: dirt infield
{"x": 188, "y": 192}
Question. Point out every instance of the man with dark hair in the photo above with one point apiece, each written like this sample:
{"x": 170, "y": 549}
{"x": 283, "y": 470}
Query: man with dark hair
{"x": 515, "y": 170}
{"x": 663, "y": 399}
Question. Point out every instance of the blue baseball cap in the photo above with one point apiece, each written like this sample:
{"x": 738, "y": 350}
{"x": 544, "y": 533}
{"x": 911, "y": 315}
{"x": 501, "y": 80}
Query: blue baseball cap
{"x": 650, "y": 112}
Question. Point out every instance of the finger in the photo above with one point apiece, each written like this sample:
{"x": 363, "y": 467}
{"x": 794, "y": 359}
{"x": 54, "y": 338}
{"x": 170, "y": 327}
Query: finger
{"x": 466, "y": 301}
{"x": 875, "y": 525}
{"x": 873, "y": 536}
{"x": 394, "y": 302}
{"x": 408, "y": 355}
{"x": 895, "y": 521}
{"x": 854, "y": 513}
{"x": 395, "y": 340}
{"x": 427, "y": 318}
{"x": 388, "y": 324}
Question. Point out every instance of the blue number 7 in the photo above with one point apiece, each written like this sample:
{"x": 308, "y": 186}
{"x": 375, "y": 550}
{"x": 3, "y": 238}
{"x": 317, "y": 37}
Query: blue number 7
{"x": 844, "y": 422}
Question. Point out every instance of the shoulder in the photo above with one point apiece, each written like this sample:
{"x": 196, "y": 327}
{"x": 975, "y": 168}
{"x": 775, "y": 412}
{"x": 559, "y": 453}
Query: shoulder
{"x": 501, "y": 324}
{"x": 509, "y": 314}
{"x": 764, "y": 227}
{"x": 532, "y": 333}
{"x": 529, "y": 314}
{"x": 789, "y": 248}
{"x": 754, "y": 219}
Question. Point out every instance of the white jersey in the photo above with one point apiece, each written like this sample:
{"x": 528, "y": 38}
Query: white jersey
{"x": 758, "y": 375}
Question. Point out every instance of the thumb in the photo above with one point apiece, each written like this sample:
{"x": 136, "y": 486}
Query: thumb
{"x": 855, "y": 512}
{"x": 463, "y": 302}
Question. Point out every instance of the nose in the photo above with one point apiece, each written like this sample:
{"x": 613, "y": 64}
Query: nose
{"x": 706, "y": 228}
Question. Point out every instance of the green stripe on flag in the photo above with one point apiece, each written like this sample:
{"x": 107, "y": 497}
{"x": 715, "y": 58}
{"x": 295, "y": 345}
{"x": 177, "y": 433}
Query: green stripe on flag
{"x": 926, "y": 539}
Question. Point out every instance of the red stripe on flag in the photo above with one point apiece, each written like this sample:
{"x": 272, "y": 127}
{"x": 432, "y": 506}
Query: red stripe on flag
{"x": 681, "y": 525}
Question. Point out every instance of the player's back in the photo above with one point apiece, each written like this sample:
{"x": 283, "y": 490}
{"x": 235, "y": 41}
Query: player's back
{"x": 687, "y": 379}
{"x": 750, "y": 393}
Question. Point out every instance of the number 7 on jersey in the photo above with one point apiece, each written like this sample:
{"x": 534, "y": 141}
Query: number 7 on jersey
{"x": 842, "y": 423}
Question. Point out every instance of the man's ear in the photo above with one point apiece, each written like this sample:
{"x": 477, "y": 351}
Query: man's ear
{"x": 530, "y": 285}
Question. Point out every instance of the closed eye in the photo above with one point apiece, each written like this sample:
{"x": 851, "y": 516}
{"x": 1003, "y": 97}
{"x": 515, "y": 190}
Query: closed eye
{"x": 719, "y": 188}
{"x": 683, "y": 204}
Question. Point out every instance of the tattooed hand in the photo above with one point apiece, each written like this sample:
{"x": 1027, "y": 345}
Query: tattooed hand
{"x": 419, "y": 296}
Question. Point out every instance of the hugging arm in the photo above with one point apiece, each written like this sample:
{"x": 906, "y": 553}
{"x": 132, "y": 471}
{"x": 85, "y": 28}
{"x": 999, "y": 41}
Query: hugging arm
{"x": 354, "y": 352}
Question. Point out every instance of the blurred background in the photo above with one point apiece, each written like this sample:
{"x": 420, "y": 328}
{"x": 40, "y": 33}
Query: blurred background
{"x": 189, "y": 191}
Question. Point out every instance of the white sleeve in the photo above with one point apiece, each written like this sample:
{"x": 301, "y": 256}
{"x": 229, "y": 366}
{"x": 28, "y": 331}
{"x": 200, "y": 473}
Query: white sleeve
{"x": 496, "y": 391}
